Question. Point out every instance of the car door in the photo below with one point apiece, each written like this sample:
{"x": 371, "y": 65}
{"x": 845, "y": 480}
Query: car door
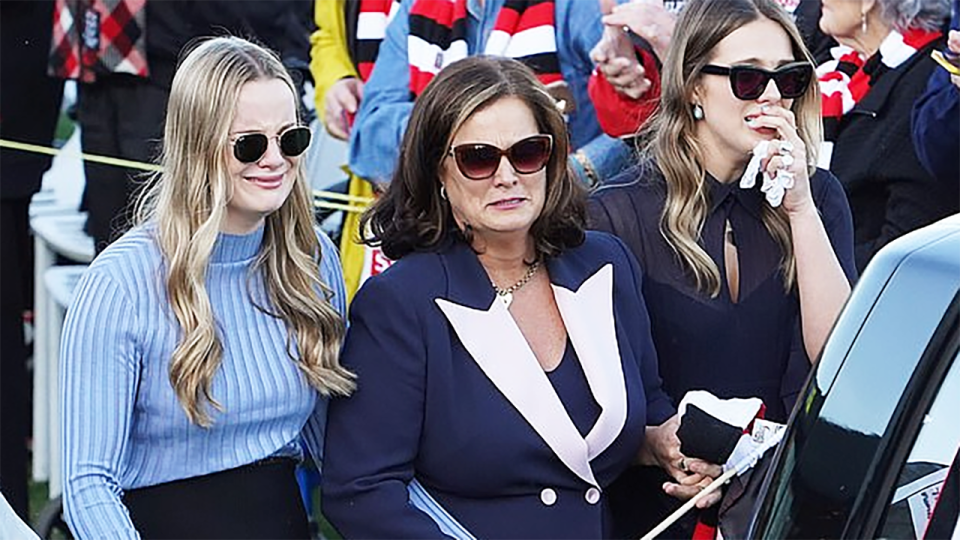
{"x": 858, "y": 435}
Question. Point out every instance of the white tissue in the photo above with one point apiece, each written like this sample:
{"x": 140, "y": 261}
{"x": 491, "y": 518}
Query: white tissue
{"x": 749, "y": 178}
{"x": 774, "y": 186}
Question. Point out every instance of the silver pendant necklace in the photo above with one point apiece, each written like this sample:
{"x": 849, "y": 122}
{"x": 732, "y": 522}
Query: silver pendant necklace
{"x": 506, "y": 295}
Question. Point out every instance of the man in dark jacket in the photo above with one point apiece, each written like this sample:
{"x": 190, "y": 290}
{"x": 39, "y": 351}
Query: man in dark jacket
{"x": 28, "y": 113}
{"x": 936, "y": 117}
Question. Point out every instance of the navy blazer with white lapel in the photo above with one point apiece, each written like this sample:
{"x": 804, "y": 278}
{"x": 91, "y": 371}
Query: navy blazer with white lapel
{"x": 450, "y": 393}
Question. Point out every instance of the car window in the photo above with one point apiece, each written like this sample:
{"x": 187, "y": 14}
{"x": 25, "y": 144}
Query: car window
{"x": 922, "y": 476}
{"x": 854, "y": 437}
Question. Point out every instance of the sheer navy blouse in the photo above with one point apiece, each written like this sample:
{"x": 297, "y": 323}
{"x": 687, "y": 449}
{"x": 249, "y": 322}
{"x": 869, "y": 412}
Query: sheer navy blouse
{"x": 749, "y": 348}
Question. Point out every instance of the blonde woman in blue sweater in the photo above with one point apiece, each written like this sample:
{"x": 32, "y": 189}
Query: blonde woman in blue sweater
{"x": 201, "y": 347}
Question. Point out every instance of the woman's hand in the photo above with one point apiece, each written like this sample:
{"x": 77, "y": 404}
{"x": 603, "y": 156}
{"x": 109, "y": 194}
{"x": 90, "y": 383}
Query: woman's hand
{"x": 822, "y": 284}
{"x": 341, "y": 103}
{"x": 699, "y": 474}
{"x": 662, "y": 448}
{"x": 787, "y": 153}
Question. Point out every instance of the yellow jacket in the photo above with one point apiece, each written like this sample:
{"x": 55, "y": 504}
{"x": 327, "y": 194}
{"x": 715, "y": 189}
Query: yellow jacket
{"x": 329, "y": 62}
{"x": 329, "y": 58}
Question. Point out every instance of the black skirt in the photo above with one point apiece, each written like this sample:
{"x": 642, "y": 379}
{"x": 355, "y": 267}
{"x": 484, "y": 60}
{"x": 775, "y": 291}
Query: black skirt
{"x": 260, "y": 500}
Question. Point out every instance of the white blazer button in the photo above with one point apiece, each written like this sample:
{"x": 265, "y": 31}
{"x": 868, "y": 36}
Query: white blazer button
{"x": 548, "y": 496}
{"x": 592, "y": 495}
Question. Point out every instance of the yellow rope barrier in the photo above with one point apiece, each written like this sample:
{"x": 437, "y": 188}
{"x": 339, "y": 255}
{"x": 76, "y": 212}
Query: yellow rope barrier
{"x": 336, "y": 206}
{"x": 342, "y": 197}
{"x": 118, "y": 162}
{"x": 106, "y": 160}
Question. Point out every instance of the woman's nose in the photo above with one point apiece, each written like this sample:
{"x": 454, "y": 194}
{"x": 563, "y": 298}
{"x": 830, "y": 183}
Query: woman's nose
{"x": 771, "y": 93}
{"x": 273, "y": 155}
{"x": 505, "y": 172}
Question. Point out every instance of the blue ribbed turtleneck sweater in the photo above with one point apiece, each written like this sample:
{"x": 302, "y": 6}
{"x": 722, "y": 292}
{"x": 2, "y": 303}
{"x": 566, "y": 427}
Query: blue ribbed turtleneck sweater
{"x": 122, "y": 425}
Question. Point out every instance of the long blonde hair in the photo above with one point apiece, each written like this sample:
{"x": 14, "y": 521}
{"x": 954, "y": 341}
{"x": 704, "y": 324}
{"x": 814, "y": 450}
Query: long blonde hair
{"x": 188, "y": 200}
{"x": 671, "y": 140}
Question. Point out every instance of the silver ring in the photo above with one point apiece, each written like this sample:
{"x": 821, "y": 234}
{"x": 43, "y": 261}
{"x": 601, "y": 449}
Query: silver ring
{"x": 785, "y": 147}
{"x": 683, "y": 464}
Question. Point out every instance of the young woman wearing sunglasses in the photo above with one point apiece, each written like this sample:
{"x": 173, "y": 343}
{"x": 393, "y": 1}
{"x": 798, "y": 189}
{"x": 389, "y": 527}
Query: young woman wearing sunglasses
{"x": 201, "y": 346}
{"x": 742, "y": 291}
{"x": 506, "y": 369}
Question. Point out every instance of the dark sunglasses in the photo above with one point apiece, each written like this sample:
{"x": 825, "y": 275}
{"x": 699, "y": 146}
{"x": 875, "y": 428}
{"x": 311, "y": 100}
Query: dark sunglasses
{"x": 749, "y": 82}
{"x": 478, "y": 161}
{"x": 250, "y": 147}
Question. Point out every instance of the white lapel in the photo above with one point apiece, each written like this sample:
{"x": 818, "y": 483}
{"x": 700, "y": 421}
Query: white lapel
{"x": 496, "y": 344}
{"x": 511, "y": 366}
{"x": 588, "y": 316}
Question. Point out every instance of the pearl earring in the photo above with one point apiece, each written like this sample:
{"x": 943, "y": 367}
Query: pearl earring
{"x": 863, "y": 23}
{"x": 697, "y": 112}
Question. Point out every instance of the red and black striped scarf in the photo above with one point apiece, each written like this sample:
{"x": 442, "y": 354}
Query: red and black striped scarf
{"x": 372, "y": 21}
{"x": 524, "y": 30}
{"x": 846, "y": 79}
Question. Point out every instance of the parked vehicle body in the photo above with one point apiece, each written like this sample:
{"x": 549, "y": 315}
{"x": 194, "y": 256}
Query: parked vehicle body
{"x": 870, "y": 445}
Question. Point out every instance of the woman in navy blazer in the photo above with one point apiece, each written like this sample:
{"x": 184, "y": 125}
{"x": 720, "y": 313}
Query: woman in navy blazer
{"x": 505, "y": 366}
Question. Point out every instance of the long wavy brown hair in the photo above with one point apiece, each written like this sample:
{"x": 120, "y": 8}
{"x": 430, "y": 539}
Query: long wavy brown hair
{"x": 670, "y": 139}
{"x": 188, "y": 200}
{"x": 412, "y": 216}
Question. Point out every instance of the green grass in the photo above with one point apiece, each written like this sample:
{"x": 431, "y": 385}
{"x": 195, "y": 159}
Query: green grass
{"x": 64, "y": 130}
{"x": 37, "y": 499}
{"x": 326, "y": 530}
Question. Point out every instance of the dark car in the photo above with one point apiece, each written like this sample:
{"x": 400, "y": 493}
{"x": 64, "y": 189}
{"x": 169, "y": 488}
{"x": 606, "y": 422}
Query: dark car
{"x": 875, "y": 435}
